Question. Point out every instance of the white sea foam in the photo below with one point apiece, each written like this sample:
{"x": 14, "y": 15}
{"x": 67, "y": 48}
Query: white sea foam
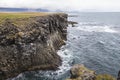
{"x": 66, "y": 58}
{"x": 16, "y": 78}
{"x": 108, "y": 29}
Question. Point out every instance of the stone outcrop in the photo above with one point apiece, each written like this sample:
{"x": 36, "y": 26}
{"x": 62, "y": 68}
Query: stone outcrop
{"x": 80, "y": 72}
{"x": 31, "y": 44}
{"x": 118, "y": 78}
{"x": 72, "y": 23}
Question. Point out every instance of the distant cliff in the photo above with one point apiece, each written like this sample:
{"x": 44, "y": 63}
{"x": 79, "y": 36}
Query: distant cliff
{"x": 31, "y": 44}
{"x": 4, "y": 9}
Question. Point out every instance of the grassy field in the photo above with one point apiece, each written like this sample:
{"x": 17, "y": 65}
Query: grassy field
{"x": 16, "y": 15}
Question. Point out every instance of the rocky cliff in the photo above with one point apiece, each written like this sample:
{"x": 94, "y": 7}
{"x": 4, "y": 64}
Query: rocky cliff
{"x": 31, "y": 44}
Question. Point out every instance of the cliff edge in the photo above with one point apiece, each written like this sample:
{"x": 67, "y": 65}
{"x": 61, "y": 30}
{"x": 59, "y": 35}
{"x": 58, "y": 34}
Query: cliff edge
{"x": 31, "y": 44}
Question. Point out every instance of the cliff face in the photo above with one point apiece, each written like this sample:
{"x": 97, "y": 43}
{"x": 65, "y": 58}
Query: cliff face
{"x": 31, "y": 44}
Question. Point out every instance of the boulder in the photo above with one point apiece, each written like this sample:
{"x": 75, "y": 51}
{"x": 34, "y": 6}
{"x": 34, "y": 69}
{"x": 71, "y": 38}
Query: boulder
{"x": 80, "y": 72}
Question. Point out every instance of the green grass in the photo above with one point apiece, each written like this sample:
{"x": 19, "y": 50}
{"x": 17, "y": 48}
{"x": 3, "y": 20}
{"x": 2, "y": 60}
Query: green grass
{"x": 14, "y": 16}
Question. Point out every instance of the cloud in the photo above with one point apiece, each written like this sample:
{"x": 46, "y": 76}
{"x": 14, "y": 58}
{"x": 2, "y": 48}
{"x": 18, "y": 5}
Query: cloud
{"x": 69, "y": 5}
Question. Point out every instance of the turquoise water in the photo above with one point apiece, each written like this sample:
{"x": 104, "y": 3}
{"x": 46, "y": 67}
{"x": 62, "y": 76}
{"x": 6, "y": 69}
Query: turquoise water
{"x": 94, "y": 42}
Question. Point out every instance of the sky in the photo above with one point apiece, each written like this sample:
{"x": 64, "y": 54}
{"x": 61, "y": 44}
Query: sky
{"x": 66, "y": 5}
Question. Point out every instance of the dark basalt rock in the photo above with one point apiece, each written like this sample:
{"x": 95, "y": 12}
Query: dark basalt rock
{"x": 118, "y": 76}
{"x": 72, "y": 23}
{"x": 32, "y": 45}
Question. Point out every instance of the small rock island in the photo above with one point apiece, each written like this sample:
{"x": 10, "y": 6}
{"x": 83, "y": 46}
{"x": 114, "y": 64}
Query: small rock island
{"x": 29, "y": 41}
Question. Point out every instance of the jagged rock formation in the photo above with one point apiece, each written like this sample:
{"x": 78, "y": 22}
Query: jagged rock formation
{"x": 80, "y": 72}
{"x": 72, "y": 23}
{"x": 31, "y": 44}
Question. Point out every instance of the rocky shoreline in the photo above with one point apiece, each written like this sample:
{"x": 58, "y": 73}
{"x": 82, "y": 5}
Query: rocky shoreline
{"x": 31, "y": 44}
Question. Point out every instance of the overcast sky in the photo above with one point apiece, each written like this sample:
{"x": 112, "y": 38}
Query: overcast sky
{"x": 70, "y": 5}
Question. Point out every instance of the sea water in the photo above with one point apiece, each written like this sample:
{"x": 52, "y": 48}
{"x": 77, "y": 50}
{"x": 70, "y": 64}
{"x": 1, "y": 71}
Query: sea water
{"x": 94, "y": 42}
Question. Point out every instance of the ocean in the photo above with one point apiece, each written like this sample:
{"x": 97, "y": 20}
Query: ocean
{"x": 94, "y": 42}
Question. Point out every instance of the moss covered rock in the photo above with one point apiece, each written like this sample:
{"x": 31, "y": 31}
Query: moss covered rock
{"x": 104, "y": 77}
{"x": 80, "y": 72}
